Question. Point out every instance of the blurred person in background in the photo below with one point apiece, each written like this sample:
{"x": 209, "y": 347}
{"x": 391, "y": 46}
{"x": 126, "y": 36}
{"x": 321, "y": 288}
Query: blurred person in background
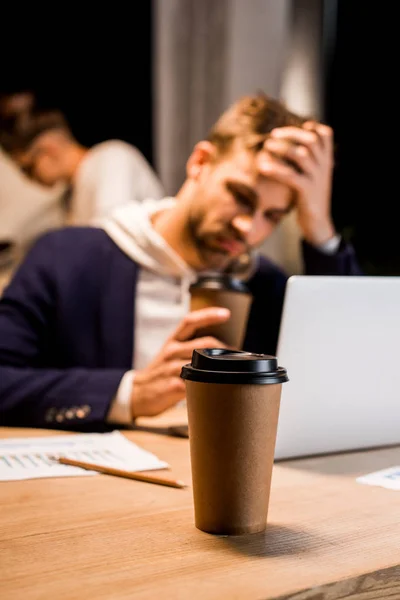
{"x": 95, "y": 326}
{"x": 27, "y": 209}
{"x": 97, "y": 179}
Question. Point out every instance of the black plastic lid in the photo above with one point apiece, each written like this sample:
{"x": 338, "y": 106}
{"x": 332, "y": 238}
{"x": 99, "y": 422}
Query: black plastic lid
{"x": 219, "y": 281}
{"x": 217, "y": 365}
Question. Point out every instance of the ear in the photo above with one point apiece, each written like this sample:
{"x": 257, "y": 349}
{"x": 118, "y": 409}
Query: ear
{"x": 203, "y": 154}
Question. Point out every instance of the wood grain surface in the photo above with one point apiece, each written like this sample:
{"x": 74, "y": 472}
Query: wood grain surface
{"x": 104, "y": 537}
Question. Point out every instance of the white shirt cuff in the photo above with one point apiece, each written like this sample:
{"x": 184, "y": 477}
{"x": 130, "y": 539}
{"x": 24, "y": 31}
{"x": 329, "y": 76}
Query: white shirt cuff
{"x": 120, "y": 409}
{"x": 331, "y": 246}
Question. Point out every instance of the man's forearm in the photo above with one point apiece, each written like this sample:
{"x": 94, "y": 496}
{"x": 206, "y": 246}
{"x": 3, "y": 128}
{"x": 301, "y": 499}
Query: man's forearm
{"x": 341, "y": 262}
{"x": 58, "y": 398}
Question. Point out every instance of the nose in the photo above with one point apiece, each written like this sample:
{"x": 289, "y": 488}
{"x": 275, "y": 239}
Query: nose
{"x": 252, "y": 228}
{"x": 243, "y": 225}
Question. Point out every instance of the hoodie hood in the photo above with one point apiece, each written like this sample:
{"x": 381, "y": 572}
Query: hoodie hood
{"x": 130, "y": 227}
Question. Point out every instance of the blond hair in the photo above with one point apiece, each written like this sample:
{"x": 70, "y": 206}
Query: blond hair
{"x": 249, "y": 121}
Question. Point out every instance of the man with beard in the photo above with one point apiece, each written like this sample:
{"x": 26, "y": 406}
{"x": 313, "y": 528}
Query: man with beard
{"x": 94, "y": 328}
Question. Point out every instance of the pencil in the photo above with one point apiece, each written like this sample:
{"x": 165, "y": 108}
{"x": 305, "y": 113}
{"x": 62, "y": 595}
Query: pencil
{"x": 120, "y": 472}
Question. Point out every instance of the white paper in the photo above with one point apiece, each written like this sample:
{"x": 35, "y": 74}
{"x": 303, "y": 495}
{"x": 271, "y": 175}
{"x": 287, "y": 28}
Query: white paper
{"x": 29, "y": 458}
{"x": 387, "y": 478}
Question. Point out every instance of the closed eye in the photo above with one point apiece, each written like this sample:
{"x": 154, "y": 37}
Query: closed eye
{"x": 275, "y": 216}
{"x": 243, "y": 200}
{"x": 243, "y": 195}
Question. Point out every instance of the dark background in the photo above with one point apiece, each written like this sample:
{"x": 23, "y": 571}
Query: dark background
{"x": 96, "y": 69}
{"x": 361, "y": 106}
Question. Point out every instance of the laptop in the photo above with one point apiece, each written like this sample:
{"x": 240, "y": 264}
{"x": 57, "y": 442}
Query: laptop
{"x": 340, "y": 343}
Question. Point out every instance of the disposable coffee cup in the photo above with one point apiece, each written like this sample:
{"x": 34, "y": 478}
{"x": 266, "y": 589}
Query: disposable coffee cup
{"x": 227, "y": 292}
{"x": 233, "y": 401}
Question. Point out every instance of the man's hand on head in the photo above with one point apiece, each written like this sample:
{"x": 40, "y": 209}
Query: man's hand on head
{"x": 159, "y": 386}
{"x": 302, "y": 158}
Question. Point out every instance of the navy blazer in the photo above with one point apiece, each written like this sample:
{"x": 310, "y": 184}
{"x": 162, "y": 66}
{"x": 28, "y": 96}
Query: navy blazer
{"x": 67, "y": 326}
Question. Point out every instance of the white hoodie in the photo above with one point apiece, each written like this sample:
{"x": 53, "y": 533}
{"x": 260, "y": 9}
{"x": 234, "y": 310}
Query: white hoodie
{"x": 162, "y": 293}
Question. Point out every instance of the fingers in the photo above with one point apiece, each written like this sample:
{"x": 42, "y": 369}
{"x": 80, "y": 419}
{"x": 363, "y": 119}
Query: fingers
{"x": 173, "y": 368}
{"x": 299, "y": 157}
{"x": 324, "y": 132}
{"x": 174, "y": 386}
{"x": 184, "y": 350}
{"x": 279, "y": 171}
{"x": 167, "y": 368}
{"x": 175, "y": 392}
{"x": 199, "y": 318}
{"x": 317, "y": 138}
{"x": 158, "y": 397}
{"x": 159, "y": 386}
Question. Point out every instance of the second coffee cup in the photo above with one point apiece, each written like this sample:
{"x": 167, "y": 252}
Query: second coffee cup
{"x": 226, "y": 292}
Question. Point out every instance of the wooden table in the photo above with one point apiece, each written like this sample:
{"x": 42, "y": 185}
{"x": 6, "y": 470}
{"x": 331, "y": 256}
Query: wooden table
{"x": 103, "y": 537}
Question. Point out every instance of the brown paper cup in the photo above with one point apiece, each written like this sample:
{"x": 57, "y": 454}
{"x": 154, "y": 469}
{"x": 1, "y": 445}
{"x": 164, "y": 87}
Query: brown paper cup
{"x": 232, "y": 433}
{"x": 233, "y": 331}
{"x": 233, "y": 401}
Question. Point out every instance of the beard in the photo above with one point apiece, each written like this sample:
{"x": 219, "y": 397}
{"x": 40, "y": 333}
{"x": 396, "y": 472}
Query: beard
{"x": 212, "y": 253}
